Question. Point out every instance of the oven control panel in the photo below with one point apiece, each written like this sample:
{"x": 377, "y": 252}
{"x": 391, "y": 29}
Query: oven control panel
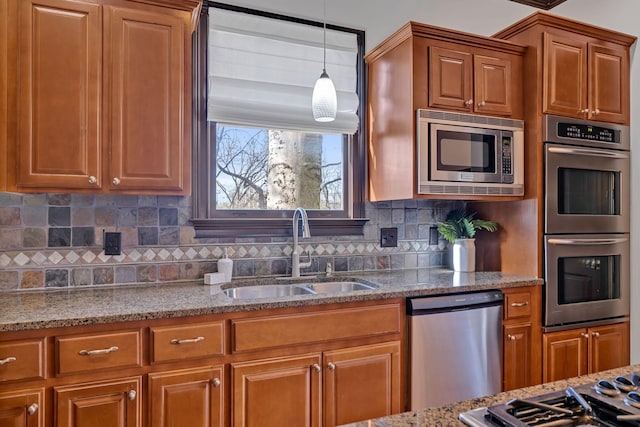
{"x": 588, "y": 132}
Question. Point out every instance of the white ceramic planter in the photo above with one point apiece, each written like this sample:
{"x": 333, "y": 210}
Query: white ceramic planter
{"x": 464, "y": 255}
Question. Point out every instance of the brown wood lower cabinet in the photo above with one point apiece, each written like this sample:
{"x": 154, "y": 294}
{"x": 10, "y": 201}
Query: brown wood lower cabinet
{"x": 585, "y": 350}
{"x": 336, "y": 387}
{"x": 114, "y": 403}
{"x": 24, "y": 408}
{"x": 187, "y": 397}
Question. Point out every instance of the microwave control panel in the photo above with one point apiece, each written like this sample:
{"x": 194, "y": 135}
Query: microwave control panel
{"x": 507, "y": 155}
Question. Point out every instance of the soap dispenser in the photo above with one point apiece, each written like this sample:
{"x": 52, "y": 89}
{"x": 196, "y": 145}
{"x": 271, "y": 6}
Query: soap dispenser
{"x": 225, "y": 265}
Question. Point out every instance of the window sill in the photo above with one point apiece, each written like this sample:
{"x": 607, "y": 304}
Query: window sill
{"x": 241, "y": 227}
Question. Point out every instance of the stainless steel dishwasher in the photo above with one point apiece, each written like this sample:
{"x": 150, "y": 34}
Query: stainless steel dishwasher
{"x": 455, "y": 347}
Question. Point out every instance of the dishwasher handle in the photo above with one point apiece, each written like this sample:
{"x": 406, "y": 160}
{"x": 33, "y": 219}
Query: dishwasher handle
{"x": 453, "y": 302}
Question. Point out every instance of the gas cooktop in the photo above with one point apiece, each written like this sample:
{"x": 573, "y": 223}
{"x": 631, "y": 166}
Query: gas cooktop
{"x": 607, "y": 402}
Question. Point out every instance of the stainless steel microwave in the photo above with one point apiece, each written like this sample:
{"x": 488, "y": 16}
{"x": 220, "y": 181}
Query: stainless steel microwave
{"x": 469, "y": 155}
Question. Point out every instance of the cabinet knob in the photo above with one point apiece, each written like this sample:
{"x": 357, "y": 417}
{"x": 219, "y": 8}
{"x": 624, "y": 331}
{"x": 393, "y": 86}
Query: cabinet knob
{"x": 469, "y": 102}
{"x": 595, "y": 334}
{"x": 595, "y": 112}
{"x": 584, "y": 335}
{"x": 331, "y": 366}
{"x": 116, "y": 181}
{"x": 132, "y": 395}
{"x": 481, "y": 104}
{"x": 316, "y": 367}
{"x": 32, "y": 409}
{"x": 584, "y": 111}
{"x": 92, "y": 180}
{"x": 216, "y": 382}
{"x": 511, "y": 337}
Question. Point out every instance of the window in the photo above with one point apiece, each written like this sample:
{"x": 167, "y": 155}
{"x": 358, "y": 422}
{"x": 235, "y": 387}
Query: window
{"x": 258, "y": 152}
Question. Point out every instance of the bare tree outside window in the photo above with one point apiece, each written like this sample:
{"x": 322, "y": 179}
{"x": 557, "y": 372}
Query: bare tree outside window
{"x": 259, "y": 169}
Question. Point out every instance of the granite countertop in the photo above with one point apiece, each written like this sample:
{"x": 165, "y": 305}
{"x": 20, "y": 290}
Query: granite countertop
{"x": 22, "y": 310}
{"x": 447, "y": 415}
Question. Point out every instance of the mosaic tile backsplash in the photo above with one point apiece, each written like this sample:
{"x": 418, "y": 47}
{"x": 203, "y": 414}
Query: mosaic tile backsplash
{"x": 56, "y": 240}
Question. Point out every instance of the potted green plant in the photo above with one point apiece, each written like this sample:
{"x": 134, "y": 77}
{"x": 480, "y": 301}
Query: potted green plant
{"x": 459, "y": 228}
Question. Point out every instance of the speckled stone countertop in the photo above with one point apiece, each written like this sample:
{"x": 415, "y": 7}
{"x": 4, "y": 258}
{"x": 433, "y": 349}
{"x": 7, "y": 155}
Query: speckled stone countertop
{"x": 448, "y": 415}
{"x": 22, "y": 310}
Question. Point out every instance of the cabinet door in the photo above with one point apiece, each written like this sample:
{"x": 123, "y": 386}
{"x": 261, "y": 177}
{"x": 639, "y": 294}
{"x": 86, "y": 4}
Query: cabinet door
{"x": 277, "y": 392}
{"x": 146, "y": 118}
{"x": 59, "y": 94}
{"x": 565, "y": 354}
{"x": 609, "y": 347}
{"x": 361, "y": 383}
{"x": 450, "y": 79}
{"x": 517, "y": 357}
{"x": 492, "y": 85}
{"x": 608, "y": 84}
{"x": 190, "y": 398}
{"x": 102, "y": 404}
{"x": 22, "y": 408}
{"x": 565, "y": 76}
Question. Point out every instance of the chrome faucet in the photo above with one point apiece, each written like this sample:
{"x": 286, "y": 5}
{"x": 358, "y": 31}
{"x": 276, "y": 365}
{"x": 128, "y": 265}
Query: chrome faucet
{"x": 296, "y": 265}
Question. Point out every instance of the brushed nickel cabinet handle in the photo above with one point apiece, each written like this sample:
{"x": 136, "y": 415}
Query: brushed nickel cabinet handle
{"x": 7, "y": 360}
{"x": 98, "y": 352}
{"x": 132, "y": 395}
{"x": 187, "y": 341}
{"x": 216, "y": 382}
{"x": 520, "y": 304}
{"x": 331, "y": 366}
{"x": 32, "y": 409}
{"x": 92, "y": 180}
{"x": 316, "y": 367}
{"x": 116, "y": 181}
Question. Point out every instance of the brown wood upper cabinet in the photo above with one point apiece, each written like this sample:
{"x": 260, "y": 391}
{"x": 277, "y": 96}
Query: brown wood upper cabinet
{"x": 584, "y": 79}
{"x": 103, "y": 98}
{"x": 460, "y": 80}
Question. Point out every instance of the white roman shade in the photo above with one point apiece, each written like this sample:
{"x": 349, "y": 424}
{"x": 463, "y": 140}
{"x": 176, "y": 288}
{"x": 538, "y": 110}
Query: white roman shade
{"x": 262, "y": 72}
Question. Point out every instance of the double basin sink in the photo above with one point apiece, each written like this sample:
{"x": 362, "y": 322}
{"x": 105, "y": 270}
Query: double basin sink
{"x": 294, "y": 289}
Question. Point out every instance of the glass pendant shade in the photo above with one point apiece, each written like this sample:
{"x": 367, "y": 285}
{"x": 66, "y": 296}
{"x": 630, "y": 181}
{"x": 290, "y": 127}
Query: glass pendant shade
{"x": 324, "y": 101}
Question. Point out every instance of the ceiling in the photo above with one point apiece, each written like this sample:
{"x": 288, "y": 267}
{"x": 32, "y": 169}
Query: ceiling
{"x": 541, "y": 4}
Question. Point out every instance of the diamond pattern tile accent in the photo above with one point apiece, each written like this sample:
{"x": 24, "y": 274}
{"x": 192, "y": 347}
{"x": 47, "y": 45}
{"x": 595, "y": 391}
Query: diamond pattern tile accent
{"x": 164, "y": 254}
{"x": 21, "y": 259}
{"x": 241, "y": 251}
{"x": 177, "y": 253}
{"x": 4, "y": 260}
{"x": 217, "y": 252}
{"x": 253, "y": 251}
{"x": 39, "y": 258}
{"x": 134, "y": 255}
{"x": 149, "y": 255}
{"x": 205, "y": 252}
{"x": 104, "y": 258}
{"x": 191, "y": 253}
{"x": 265, "y": 251}
{"x": 72, "y": 257}
{"x": 55, "y": 257}
{"x": 88, "y": 257}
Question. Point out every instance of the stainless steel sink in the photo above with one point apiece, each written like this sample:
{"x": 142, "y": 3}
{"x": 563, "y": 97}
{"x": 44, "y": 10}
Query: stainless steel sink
{"x": 266, "y": 291}
{"x": 293, "y": 289}
{"x": 338, "y": 287}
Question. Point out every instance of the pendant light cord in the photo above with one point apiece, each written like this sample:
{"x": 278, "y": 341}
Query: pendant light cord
{"x": 324, "y": 35}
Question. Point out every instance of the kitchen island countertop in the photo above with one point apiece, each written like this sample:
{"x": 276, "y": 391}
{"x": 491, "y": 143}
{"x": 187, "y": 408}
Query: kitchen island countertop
{"x": 447, "y": 415}
{"x": 51, "y": 308}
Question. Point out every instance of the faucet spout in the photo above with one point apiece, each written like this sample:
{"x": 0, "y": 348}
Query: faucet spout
{"x": 300, "y": 214}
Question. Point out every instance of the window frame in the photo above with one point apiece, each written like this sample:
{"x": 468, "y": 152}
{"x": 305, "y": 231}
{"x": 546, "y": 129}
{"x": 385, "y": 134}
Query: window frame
{"x": 244, "y": 223}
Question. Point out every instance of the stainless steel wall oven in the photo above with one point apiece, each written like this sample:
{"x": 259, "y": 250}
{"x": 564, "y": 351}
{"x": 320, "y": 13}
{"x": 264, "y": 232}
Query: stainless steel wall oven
{"x": 586, "y": 239}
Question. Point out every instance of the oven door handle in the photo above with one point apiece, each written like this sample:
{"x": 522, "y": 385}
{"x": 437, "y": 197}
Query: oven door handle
{"x": 589, "y": 152}
{"x": 587, "y": 241}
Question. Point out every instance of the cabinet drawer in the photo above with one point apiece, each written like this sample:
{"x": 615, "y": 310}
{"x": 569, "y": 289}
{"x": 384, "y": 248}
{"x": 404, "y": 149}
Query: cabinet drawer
{"x": 22, "y": 360}
{"x": 93, "y": 352}
{"x": 307, "y": 328}
{"x": 187, "y": 342}
{"x": 518, "y": 304}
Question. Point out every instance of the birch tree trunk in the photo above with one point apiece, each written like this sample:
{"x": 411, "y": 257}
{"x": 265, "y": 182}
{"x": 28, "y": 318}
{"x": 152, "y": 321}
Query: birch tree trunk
{"x": 294, "y": 171}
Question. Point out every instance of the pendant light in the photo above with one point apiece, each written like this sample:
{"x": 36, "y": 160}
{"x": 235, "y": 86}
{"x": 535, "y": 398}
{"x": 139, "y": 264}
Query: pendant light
{"x": 324, "y": 101}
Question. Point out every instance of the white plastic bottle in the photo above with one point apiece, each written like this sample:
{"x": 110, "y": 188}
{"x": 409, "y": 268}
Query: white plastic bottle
{"x": 225, "y": 265}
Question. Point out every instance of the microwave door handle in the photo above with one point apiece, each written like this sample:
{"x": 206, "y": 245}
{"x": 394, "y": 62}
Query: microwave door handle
{"x": 587, "y": 241}
{"x": 589, "y": 152}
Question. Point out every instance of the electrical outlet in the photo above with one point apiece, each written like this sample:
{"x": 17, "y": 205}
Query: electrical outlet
{"x": 433, "y": 236}
{"x": 389, "y": 237}
{"x": 112, "y": 243}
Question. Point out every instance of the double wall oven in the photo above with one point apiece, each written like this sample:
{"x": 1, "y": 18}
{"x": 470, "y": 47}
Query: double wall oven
{"x": 586, "y": 225}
